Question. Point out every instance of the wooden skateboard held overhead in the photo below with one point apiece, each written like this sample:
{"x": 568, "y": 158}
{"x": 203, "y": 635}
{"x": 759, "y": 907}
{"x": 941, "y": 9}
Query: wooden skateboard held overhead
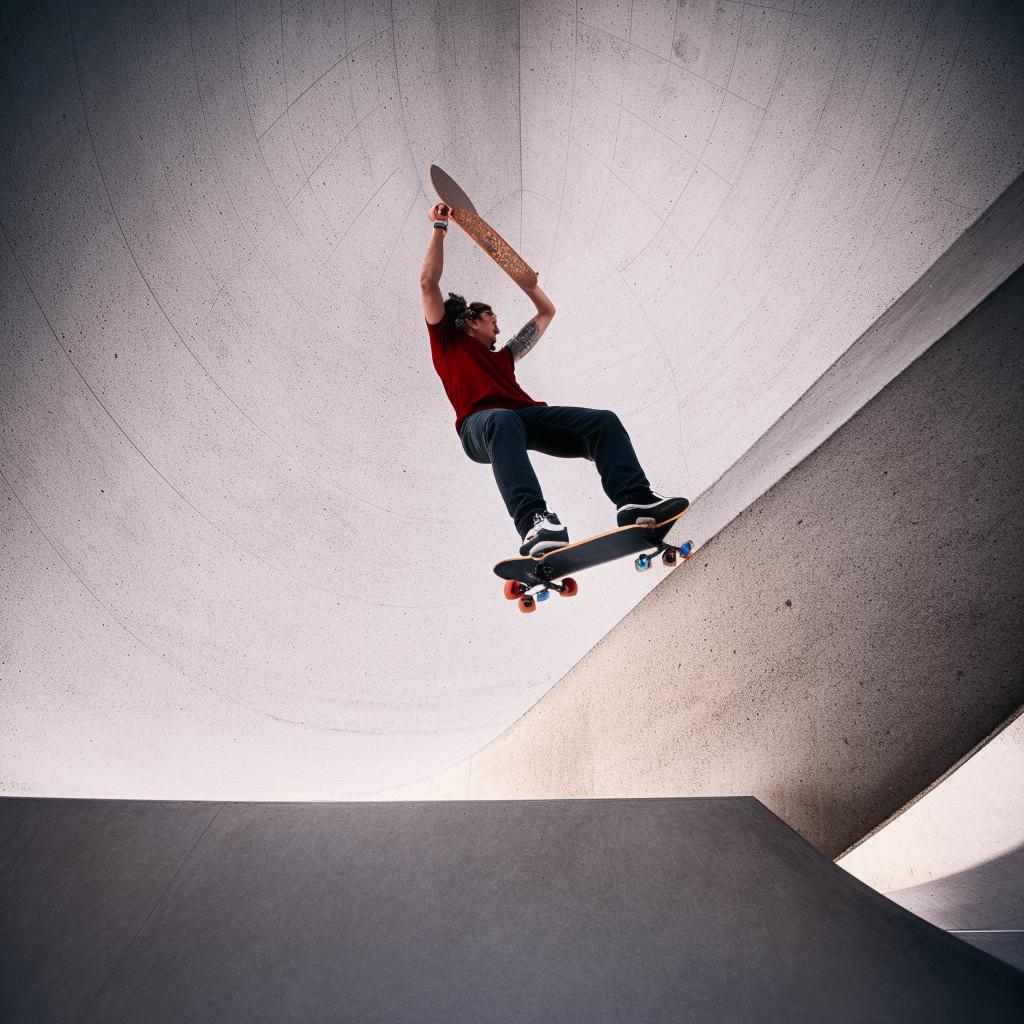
{"x": 530, "y": 580}
{"x": 464, "y": 214}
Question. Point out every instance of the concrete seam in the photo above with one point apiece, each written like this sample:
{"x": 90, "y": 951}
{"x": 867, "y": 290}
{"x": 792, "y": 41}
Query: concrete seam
{"x": 152, "y": 910}
{"x": 568, "y": 136}
{"x": 984, "y": 742}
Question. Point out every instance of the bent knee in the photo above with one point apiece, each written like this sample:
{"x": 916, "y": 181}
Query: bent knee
{"x": 502, "y": 421}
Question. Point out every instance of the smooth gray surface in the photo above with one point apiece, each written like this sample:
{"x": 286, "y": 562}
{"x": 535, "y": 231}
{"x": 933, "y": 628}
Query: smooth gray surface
{"x": 590, "y": 911}
{"x": 984, "y": 904}
{"x": 79, "y": 881}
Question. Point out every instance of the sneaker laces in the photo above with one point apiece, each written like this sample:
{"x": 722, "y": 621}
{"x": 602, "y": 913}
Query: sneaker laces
{"x": 541, "y": 520}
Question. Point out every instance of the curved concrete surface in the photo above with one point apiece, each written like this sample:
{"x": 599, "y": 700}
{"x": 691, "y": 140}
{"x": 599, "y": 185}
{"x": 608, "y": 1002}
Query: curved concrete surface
{"x": 973, "y": 816}
{"x": 589, "y": 911}
{"x": 956, "y": 856}
{"x": 983, "y": 905}
{"x": 217, "y": 407}
{"x": 841, "y": 644}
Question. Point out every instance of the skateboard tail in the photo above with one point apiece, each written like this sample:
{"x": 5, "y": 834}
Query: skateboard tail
{"x": 449, "y": 191}
{"x": 464, "y": 213}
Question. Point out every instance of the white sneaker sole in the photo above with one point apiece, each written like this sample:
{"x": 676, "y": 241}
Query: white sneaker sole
{"x": 545, "y": 546}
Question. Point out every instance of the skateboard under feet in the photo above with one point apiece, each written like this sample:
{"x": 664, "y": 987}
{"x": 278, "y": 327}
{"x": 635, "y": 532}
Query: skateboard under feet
{"x": 531, "y": 580}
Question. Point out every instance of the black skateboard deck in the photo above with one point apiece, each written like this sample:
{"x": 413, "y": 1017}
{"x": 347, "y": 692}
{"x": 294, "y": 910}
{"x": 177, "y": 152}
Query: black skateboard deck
{"x": 530, "y": 580}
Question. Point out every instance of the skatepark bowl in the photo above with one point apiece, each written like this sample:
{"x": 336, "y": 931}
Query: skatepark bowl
{"x": 273, "y": 746}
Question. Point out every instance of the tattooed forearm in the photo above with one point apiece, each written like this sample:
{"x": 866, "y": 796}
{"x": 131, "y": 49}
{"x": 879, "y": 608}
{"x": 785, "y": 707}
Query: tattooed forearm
{"x": 527, "y": 337}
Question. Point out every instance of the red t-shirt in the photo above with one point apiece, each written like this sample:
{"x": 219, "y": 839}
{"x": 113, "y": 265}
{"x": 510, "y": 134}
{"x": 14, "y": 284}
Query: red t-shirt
{"x": 474, "y": 378}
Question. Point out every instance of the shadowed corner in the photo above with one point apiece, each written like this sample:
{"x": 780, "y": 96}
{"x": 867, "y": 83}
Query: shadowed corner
{"x": 983, "y": 905}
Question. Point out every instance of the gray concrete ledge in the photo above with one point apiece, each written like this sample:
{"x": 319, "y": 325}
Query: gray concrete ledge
{"x": 652, "y": 910}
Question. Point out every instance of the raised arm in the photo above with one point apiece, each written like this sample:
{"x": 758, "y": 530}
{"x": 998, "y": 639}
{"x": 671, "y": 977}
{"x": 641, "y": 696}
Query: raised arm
{"x": 530, "y": 333}
{"x": 433, "y": 265}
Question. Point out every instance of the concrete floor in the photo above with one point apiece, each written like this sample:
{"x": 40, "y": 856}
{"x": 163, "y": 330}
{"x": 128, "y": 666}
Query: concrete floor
{"x": 590, "y": 911}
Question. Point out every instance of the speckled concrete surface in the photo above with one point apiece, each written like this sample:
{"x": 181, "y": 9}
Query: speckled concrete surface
{"x": 838, "y": 646}
{"x": 222, "y": 437}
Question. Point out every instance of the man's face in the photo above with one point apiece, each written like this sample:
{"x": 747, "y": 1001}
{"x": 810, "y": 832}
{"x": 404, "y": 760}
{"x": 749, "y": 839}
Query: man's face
{"x": 485, "y": 328}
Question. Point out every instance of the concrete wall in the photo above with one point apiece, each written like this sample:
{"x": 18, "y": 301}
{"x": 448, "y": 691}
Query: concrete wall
{"x": 837, "y": 647}
{"x": 217, "y": 394}
{"x": 956, "y": 856}
{"x": 973, "y": 816}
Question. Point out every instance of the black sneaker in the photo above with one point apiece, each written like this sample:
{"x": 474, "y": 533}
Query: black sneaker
{"x": 650, "y": 506}
{"x": 545, "y": 534}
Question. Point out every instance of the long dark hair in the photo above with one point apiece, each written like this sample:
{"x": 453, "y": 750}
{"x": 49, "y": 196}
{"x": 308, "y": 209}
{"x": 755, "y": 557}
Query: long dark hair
{"x": 458, "y": 313}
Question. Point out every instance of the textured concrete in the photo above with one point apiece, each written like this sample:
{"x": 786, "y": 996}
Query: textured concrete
{"x": 840, "y": 645}
{"x": 955, "y": 856}
{"x": 966, "y": 273}
{"x": 973, "y": 816}
{"x": 589, "y": 911}
{"x": 217, "y": 397}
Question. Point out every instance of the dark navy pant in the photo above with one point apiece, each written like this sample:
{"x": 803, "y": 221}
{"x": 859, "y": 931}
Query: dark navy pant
{"x": 502, "y": 437}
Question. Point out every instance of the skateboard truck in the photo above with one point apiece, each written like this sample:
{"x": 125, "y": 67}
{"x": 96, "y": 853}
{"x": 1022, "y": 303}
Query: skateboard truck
{"x": 528, "y": 595}
{"x": 668, "y": 552}
{"x": 669, "y": 555}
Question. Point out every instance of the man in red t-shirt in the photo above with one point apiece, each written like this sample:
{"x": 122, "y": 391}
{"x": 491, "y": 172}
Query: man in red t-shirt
{"x": 498, "y": 422}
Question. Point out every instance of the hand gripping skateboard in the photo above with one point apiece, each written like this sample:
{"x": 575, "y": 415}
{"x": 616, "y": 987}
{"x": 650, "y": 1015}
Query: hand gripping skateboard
{"x": 530, "y": 580}
{"x": 464, "y": 214}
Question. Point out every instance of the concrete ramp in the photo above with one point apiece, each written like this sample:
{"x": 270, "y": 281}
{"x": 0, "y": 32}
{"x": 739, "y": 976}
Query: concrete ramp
{"x": 616, "y": 910}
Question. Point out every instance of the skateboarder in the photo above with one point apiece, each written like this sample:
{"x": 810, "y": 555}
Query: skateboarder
{"x": 498, "y": 423}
